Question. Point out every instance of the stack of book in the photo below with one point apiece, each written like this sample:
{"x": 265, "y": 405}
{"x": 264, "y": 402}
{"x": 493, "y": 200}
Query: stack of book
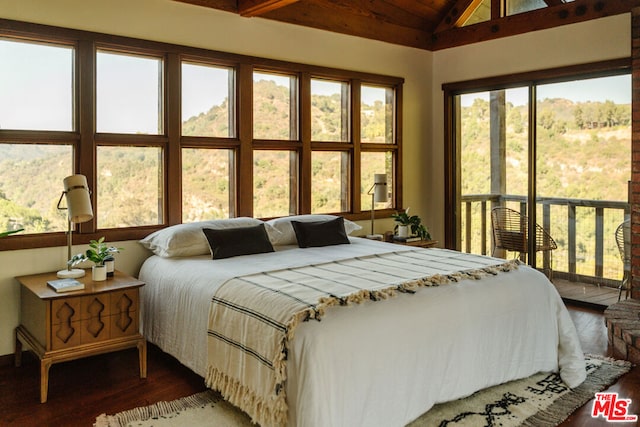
{"x": 407, "y": 239}
{"x": 66, "y": 285}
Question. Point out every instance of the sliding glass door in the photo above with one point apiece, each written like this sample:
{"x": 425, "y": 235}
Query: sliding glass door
{"x": 583, "y": 166}
{"x": 563, "y": 148}
{"x": 493, "y": 160}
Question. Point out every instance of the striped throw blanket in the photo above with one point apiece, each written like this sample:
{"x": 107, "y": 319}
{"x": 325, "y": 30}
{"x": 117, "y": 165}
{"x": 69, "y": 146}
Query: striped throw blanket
{"x": 253, "y": 318}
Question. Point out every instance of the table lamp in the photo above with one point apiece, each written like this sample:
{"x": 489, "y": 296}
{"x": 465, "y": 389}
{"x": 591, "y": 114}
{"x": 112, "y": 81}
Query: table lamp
{"x": 78, "y": 198}
{"x": 378, "y": 192}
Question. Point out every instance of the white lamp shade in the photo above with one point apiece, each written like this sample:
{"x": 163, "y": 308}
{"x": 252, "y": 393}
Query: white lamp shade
{"x": 78, "y": 198}
{"x": 380, "y": 188}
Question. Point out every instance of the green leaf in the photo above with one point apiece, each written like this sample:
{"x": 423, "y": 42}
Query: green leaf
{"x": 6, "y": 233}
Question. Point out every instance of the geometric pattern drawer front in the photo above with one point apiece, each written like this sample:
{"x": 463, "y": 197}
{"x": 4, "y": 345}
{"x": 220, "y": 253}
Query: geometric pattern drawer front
{"x": 65, "y": 324}
{"x": 95, "y": 329}
{"x": 123, "y": 302}
{"x": 95, "y": 323}
{"x": 93, "y": 318}
{"x": 124, "y": 313}
{"x": 94, "y": 306}
{"x": 65, "y": 335}
{"x": 124, "y": 325}
{"x": 65, "y": 310}
{"x": 94, "y": 315}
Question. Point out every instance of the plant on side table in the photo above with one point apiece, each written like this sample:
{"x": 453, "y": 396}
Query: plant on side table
{"x": 98, "y": 253}
{"x": 6, "y": 233}
{"x": 406, "y": 224}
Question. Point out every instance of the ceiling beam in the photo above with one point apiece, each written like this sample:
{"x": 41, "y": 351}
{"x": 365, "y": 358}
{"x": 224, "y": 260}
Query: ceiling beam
{"x": 322, "y": 15}
{"x": 458, "y": 14}
{"x": 568, "y": 13}
{"x": 250, "y": 8}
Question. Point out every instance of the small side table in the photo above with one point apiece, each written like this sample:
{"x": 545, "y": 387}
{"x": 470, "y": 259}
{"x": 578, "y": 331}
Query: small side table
{"x": 58, "y": 327}
{"x": 418, "y": 243}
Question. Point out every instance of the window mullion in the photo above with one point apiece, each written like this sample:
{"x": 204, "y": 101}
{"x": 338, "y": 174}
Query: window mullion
{"x": 397, "y": 133}
{"x": 305, "y": 139}
{"x": 173, "y": 125}
{"x": 244, "y": 159}
{"x": 85, "y": 150}
{"x": 356, "y": 139}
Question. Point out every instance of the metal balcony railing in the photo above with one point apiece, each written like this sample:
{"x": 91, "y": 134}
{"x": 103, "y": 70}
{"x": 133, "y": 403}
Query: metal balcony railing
{"x": 584, "y": 230}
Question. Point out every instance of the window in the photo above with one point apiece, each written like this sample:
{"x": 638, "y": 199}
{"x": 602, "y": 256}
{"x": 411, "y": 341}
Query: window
{"x": 557, "y": 151}
{"x": 31, "y": 203}
{"x": 129, "y": 173}
{"x": 519, "y": 6}
{"x": 207, "y": 101}
{"x": 37, "y": 89}
{"x": 329, "y": 110}
{"x": 482, "y": 10}
{"x": 275, "y": 101}
{"x": 371, "y": 164}
{"x": 274, "y": 192}
{"x": 376, "y": 117}
{"x": 207, "y": 182}
{"x": 329, "y": 181}
{"x": 130, "y": 187}
{"x": 330, "y": 168}
{"x": 129, "y": 94}
{"x": 36, "y": 86}
{"x": 168, "y": 134}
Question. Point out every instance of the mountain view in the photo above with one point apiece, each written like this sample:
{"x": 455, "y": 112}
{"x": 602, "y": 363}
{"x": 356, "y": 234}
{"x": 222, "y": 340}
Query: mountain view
{"x": 130, "y": 189}
{"x": 583, "y": 152}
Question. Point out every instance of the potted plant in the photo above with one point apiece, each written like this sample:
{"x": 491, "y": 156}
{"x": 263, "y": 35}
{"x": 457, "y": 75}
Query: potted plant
{"x": 412, "y": 224}
{"x": 6, "y": 233}
{"x": 98, "y": 252}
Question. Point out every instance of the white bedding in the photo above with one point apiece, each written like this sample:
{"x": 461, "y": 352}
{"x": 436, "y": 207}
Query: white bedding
{"x": 383, "y": 363}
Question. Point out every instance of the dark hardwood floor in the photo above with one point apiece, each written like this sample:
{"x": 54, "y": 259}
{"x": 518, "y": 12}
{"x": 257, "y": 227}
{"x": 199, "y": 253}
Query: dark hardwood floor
{"x": 81, "y": 390}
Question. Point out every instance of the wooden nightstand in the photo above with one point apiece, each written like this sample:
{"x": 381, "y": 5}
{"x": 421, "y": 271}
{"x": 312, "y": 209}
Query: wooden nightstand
{"x": 59, "y": 327}
{"x": 419, "y": 243}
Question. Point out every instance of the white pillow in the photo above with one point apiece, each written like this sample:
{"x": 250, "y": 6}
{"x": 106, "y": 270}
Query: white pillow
{"x": 286, "y": 234}
{"x": 189, "y": 239}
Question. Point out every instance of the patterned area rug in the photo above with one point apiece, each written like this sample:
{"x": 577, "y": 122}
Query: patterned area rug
{"x": 538, "y": 401}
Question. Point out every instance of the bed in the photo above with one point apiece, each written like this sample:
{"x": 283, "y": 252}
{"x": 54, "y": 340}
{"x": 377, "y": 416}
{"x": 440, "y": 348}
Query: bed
{"x": 379, "y": 361}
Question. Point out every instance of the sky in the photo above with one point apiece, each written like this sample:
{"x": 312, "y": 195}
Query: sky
{"x": 35, "y": 82}
{"x": 614, "y": 88}
{"x": 36, "y": 89}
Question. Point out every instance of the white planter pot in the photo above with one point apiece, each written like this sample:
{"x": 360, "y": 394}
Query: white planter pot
{"x": 99, "y": 273}
{"x": 403, "y": 231}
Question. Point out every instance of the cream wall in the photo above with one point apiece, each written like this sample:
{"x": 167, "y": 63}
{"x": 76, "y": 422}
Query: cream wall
{"x": 424, "y": 73}
{"x": 179, "y": 23}
{"x": 591, "y": 41}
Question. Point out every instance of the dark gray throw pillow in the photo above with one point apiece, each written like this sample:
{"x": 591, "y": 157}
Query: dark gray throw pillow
{"x": 230, "y": 242}
{"x": 320, "y": 233}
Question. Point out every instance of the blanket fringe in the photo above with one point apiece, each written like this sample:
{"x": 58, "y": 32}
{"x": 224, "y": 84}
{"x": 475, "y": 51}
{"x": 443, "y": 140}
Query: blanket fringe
{"x": 274, "y": 412}
{"x": 266, "y": 413}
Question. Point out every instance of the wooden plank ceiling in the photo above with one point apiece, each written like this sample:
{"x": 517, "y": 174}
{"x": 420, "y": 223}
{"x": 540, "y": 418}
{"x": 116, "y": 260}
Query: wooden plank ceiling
{"x": 424, "y": 24}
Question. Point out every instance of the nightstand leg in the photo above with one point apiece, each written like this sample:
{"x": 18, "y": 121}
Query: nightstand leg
{"x": 142, "y": 355}
{"x": 45, "y": 364}
{"x": 18, "y": 351}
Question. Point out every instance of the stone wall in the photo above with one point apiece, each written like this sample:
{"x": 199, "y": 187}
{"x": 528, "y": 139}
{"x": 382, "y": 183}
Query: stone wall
{"x": 623, "y": 328}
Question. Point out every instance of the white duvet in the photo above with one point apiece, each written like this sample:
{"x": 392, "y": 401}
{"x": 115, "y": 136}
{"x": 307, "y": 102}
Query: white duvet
{"x": 382, "y": 363}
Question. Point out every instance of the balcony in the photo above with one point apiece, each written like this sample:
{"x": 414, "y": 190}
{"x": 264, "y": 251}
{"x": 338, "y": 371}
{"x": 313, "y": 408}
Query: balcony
{"x": 587, "y": 267}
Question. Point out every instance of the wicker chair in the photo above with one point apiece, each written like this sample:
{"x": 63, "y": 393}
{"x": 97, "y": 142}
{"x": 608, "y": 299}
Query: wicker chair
{"x": 623, "y": 240}
{"x": 510, "y": 231}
